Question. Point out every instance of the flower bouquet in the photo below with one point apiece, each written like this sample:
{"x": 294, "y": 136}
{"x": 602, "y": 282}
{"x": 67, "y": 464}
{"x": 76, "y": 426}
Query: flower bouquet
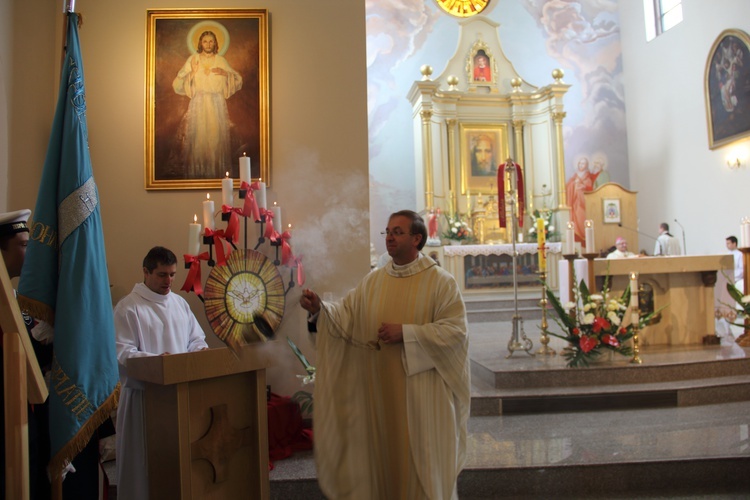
{"x": 458, "y": 229}
{"x": 549, "y": 229}
{"x": 303, "y": 398}
{"x": 596, "y": 327}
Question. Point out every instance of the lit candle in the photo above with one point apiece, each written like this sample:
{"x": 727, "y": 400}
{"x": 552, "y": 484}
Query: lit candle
{"x": 540, "y": 239}
{"x": 245, "y": 172}
{"x": 227, "y": 191}
{"x": 208, "y": 213}
{"x": 276, "y": 217}
{"x": 634, "y": 290}
{"x": 570, "y": 239}
{"x": 260, "y": 195}
{"x": 590, "y": 248}
{"x": 194, "y": 237}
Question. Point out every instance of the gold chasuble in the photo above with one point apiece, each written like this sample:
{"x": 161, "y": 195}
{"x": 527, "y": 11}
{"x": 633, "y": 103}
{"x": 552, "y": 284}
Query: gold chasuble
{"x": 390, "y": 419}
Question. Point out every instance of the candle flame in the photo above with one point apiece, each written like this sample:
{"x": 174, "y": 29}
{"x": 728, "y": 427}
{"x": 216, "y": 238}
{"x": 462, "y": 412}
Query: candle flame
{"x": 633, "y": 276}
{"x": 571, "y": 225}
{"x": 244, "y": 153}
{"x": 227, "y": 175}
{"x": 274, "y": 204}
{"x": 195, "y": 218}
{"x": 208, "y": 196}
{"x": 289, "y": 226}
{"x": 589, "y": 223}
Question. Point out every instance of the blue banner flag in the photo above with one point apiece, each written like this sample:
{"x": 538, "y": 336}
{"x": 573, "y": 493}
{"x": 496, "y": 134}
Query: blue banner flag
{"x": 64, "y": 278}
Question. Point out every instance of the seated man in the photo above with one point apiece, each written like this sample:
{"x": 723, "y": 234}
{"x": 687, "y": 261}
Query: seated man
{"x": 621, "y": 250}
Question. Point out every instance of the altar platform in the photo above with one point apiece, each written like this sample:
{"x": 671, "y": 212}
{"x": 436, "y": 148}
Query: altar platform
{"x": 674, "y": 427}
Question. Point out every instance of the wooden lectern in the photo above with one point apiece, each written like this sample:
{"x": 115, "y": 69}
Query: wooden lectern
{"x": 206, "y": 423}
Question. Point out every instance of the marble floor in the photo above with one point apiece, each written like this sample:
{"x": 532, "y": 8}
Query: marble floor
{"x": 715, "y": 433}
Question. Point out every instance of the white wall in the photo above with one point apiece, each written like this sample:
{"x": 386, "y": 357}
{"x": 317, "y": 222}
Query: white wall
{"x": 675, "y": 173}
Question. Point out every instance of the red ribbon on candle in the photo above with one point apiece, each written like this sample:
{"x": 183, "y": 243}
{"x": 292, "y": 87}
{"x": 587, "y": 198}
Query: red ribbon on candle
{"x": 233, "y": 226}
{"x": 221, "y": 258}
{"x": 501, "y": 193}
{"x": 193, "y": 280}
{"x": 270, "y": 232}
{"x": 251, "y": 204}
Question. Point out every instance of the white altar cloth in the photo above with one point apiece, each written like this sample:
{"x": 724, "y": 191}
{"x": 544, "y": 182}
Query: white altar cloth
{"x": 505, "y": 249}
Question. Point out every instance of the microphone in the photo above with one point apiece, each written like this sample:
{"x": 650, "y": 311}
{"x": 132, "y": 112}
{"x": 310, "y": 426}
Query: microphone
{"x": 684, "y": 243}
{"x": 636, "y": 230}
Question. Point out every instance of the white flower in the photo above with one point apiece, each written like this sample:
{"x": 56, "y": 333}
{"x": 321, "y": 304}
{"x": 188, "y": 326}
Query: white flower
{"x": 596, "y": 297}
{"x": 614, "y": 318}
{"x": 746, "y": 299}
{"x": 587, "y": 307}
{"x": 568, "y": 306}
{"x": 454, "y": 230}
{"x": 588, "y": 319}
{"x": 551, "y": 228}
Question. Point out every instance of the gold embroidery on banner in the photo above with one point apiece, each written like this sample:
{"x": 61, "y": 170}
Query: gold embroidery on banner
{"x": 76, "y": 208}
{"x": 70, "y": 394}
{"x": 43, "y": 233}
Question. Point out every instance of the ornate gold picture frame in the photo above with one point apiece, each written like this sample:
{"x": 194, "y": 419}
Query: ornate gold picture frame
{"x": 482, "y": 149}
{"x": 727, "y": 78}
{"x": 206, "y": 96}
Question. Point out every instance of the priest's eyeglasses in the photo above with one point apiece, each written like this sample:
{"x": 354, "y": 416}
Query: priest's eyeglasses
{"x": 395, "y": 233}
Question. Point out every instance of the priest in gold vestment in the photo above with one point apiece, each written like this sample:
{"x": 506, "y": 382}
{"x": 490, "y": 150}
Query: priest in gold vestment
{"x": 392, "y": 387}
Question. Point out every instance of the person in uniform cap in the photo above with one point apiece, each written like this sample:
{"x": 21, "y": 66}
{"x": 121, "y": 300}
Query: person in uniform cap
{"x": 14, "y": 236}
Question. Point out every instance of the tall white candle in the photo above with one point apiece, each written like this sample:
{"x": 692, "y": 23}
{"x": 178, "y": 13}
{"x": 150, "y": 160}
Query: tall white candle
{"x": 260, "y": 195}
{"x": 208, "y": 213}
{"x": 194, "y": 237}
{"x": 227, "y": 191}
{"x": 633, "y": 289}
{"x": 590, "y": 247}
{"x": 570, "y": 239}
{"x": 245, "y": 172}
{"x": 745, "y": 233}
{"x": 277, "y": 217}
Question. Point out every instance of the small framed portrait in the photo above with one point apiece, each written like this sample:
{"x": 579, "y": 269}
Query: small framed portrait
{"x": 727, "y": 78}
{"x": 481, "y": 71}
{"x": 206, "y": 96}
{"x": 611, "y": 214}
{"x": 483, "y": 148}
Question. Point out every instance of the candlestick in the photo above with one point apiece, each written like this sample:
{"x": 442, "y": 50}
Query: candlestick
{"x": 590, "y": 245}
{"x": 194, "y": 237}
{"x": 227, "y": 191}
{"x": 633, "y": 289}
{"x": 260, "y": 194}
{"x": 245, "y": 171}
{"x": 277, "y": 217}
{"x": 570, "y": 239}
{"x": 540, "y": 239}
{"x": 208, "y": 213}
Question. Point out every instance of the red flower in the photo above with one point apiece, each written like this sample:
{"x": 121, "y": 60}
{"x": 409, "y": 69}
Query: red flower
{"x": 576, "y": 332}
{"x": 601, "y": 324}
{"x": 611, "y": 340}
{"x": 587, "y": 343}
{"x": 622, "y": 331}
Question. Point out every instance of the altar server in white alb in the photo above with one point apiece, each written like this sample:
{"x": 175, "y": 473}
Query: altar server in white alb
{"x": 392, "y": 381}
{"x": 150, "y": 321}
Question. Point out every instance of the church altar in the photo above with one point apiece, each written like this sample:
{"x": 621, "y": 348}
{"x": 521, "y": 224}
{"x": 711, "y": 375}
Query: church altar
{"x": 482, "y": 268}
{"x": 684, "y": 284}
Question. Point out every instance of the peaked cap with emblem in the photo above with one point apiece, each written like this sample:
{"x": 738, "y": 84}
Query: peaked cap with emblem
{"x": 14, "y": 222}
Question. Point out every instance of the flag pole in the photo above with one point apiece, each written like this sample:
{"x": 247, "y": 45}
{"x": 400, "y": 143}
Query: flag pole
{"x": 56, "y": 478}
